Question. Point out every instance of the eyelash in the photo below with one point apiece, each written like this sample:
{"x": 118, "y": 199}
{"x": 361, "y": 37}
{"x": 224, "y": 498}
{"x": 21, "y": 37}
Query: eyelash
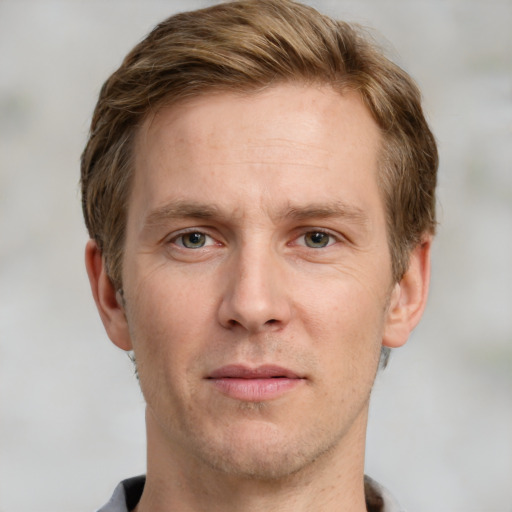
{"x": 332, "y": 239}
{"x": 180, "y": 236}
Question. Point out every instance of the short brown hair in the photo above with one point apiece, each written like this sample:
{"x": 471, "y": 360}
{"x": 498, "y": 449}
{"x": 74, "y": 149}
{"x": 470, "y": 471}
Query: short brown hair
{"x": 245, "y": 46}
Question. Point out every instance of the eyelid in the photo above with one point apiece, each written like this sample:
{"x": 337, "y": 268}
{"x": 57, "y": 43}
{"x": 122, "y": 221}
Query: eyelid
{"x": 173, "y": 237}
{"x": 333, "y": 234}
{"x": 301, "y": 232}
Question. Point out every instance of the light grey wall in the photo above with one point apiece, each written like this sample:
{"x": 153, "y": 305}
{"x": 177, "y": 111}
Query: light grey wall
{"x": 71, "y": 415}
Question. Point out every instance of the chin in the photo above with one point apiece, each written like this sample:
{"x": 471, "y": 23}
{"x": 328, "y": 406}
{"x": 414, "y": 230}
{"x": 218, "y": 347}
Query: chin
{"x": 266, "y": 456}
{"x": 259, "y": 465}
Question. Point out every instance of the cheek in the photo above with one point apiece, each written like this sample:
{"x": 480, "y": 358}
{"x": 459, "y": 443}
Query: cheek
{"x": 346, "y": 322}
{"x": 166, "y": 303}
{"x": 165, "y": 324}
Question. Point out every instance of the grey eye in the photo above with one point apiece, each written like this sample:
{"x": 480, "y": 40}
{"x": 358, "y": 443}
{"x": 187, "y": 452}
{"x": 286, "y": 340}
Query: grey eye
{"x": 194, "y": 240}
{"x": 316, "y": 239}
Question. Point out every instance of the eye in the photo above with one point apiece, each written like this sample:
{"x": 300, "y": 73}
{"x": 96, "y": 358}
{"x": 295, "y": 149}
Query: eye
{"x": 317, "y": 239}
{"x": 193, "y": 240}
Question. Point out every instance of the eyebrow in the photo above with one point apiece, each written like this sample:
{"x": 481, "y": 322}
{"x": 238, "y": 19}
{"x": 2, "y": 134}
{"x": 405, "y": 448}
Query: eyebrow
{"x": 327, "y": 210}
{"x": 182, "y": 210}
{"x": 194, "y": 210}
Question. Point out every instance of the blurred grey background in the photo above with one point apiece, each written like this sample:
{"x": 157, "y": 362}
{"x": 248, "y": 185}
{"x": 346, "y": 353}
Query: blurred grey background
{"x": 71, "y": 414}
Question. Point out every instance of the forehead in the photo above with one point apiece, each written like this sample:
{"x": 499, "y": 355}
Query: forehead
{"x": 300, "y": 109}
{"x": 288, "y": 137}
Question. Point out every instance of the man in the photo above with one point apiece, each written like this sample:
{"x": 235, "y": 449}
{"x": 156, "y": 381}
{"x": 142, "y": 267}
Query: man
{"x": 259, "y": 187}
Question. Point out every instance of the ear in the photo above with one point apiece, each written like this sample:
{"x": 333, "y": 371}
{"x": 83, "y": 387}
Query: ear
{"x": 409, "y": 297}
{"x": 107, "y": 298}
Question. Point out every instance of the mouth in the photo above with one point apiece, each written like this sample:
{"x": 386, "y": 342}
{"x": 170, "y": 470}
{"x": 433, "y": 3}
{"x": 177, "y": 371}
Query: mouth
{"x": 258, "y": 384}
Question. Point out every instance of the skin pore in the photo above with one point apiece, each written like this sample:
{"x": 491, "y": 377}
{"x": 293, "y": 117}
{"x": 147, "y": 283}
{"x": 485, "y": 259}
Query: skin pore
{"x": 257, "y": 295}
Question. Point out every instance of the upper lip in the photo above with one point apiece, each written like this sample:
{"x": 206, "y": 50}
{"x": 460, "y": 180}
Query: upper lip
{"x": 239, "y": 371}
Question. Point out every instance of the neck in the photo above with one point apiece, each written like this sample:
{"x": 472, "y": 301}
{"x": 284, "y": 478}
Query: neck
{"x": 177, "y": 481}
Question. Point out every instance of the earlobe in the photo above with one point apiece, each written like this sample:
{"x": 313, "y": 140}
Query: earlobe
{"x": 409, "y": 297}
{"x": 108, "y": 300}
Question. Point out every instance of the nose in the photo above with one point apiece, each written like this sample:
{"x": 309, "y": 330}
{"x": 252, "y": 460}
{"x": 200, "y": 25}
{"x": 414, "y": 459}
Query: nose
{"x": 255, "y": 296}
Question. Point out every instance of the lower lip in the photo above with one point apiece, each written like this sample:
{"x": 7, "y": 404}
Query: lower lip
{"x": 255, "y": 390}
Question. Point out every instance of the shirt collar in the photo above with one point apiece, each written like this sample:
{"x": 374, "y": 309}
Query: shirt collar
{"x": 127, "y": 494}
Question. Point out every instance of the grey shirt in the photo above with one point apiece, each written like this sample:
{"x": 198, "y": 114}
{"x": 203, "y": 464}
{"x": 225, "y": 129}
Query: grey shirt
{"x": 127, "y": 494}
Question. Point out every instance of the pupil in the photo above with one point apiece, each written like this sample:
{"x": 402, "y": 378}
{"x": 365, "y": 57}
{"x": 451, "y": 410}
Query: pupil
{"x": 194, "y": 240}
{"x": 318, "y": 239}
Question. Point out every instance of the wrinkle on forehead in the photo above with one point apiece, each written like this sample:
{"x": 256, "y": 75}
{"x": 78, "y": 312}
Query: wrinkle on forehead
{"x": 195, "y": 115}
{"x": 273, "y": 152}
{"x": 297, "y": 212}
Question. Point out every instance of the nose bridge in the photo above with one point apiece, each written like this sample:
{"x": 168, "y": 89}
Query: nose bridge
{"x": 255, "y": 297}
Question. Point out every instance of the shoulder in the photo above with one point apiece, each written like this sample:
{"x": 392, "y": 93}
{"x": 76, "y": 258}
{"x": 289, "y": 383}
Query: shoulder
{"x": 126, "y": 495}
{"x": 378, "y": 498}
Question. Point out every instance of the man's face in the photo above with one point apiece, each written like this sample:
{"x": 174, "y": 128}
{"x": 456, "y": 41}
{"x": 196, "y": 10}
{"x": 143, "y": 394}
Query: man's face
{"x": 257, "y": 276}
